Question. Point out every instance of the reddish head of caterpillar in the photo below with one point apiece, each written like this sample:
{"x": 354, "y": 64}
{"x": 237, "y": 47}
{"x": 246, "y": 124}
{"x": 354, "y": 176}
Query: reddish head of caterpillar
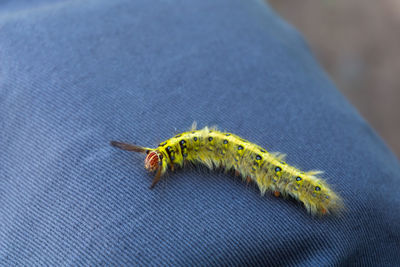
{"x": 152, "y": 161}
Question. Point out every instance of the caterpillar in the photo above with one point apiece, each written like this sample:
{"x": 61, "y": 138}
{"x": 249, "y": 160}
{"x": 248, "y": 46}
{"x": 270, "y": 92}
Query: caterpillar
{"x": 253, "y": 163}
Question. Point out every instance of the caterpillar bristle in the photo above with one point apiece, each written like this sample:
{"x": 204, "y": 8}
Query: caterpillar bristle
{"x": 194, "y": 126}
{"x": 130, "y": 147}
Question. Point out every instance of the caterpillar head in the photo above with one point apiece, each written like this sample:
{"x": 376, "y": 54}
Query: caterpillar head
{"x": 152, "y": 161}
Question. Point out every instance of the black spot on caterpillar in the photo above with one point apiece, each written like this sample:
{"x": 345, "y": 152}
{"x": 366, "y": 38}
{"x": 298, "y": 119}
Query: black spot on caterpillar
{"x": 216, "y": 149}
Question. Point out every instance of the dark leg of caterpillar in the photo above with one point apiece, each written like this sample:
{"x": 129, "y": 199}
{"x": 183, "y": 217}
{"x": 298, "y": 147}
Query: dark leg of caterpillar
{"x": 277, "y": 193}
{"x": 129, "y": 147}
{"x": 156, "y": 178}
{"x": 248, "y": 179}
{"x": 237, "y": 173}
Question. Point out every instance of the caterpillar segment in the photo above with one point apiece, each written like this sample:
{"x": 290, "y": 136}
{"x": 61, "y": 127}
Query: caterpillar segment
{"x": 253, "y": 163}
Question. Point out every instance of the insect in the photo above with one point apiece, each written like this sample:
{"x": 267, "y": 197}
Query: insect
{"x": 253, "y": 163}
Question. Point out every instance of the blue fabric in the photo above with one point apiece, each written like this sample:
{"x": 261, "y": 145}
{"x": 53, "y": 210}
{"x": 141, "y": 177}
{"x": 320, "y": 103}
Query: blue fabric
{"x": 76, "y": 74}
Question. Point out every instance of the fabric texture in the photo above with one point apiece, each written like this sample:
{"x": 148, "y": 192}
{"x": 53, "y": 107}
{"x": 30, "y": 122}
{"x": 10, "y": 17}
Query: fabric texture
{"x": 76, "y": 74}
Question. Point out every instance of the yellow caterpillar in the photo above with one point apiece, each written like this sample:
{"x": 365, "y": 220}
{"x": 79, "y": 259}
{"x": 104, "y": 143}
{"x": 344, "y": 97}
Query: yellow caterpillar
{"x": 217, "y": 149}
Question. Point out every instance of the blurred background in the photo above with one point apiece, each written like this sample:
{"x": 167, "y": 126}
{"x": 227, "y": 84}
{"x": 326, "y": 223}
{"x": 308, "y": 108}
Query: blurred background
{"x": 358, "y": 44}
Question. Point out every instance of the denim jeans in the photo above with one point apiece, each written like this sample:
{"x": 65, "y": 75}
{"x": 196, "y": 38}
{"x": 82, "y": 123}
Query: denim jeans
{"x": 76, "y": 74}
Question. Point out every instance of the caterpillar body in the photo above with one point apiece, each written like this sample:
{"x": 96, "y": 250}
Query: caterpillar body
{"x": 216, "y": 149}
